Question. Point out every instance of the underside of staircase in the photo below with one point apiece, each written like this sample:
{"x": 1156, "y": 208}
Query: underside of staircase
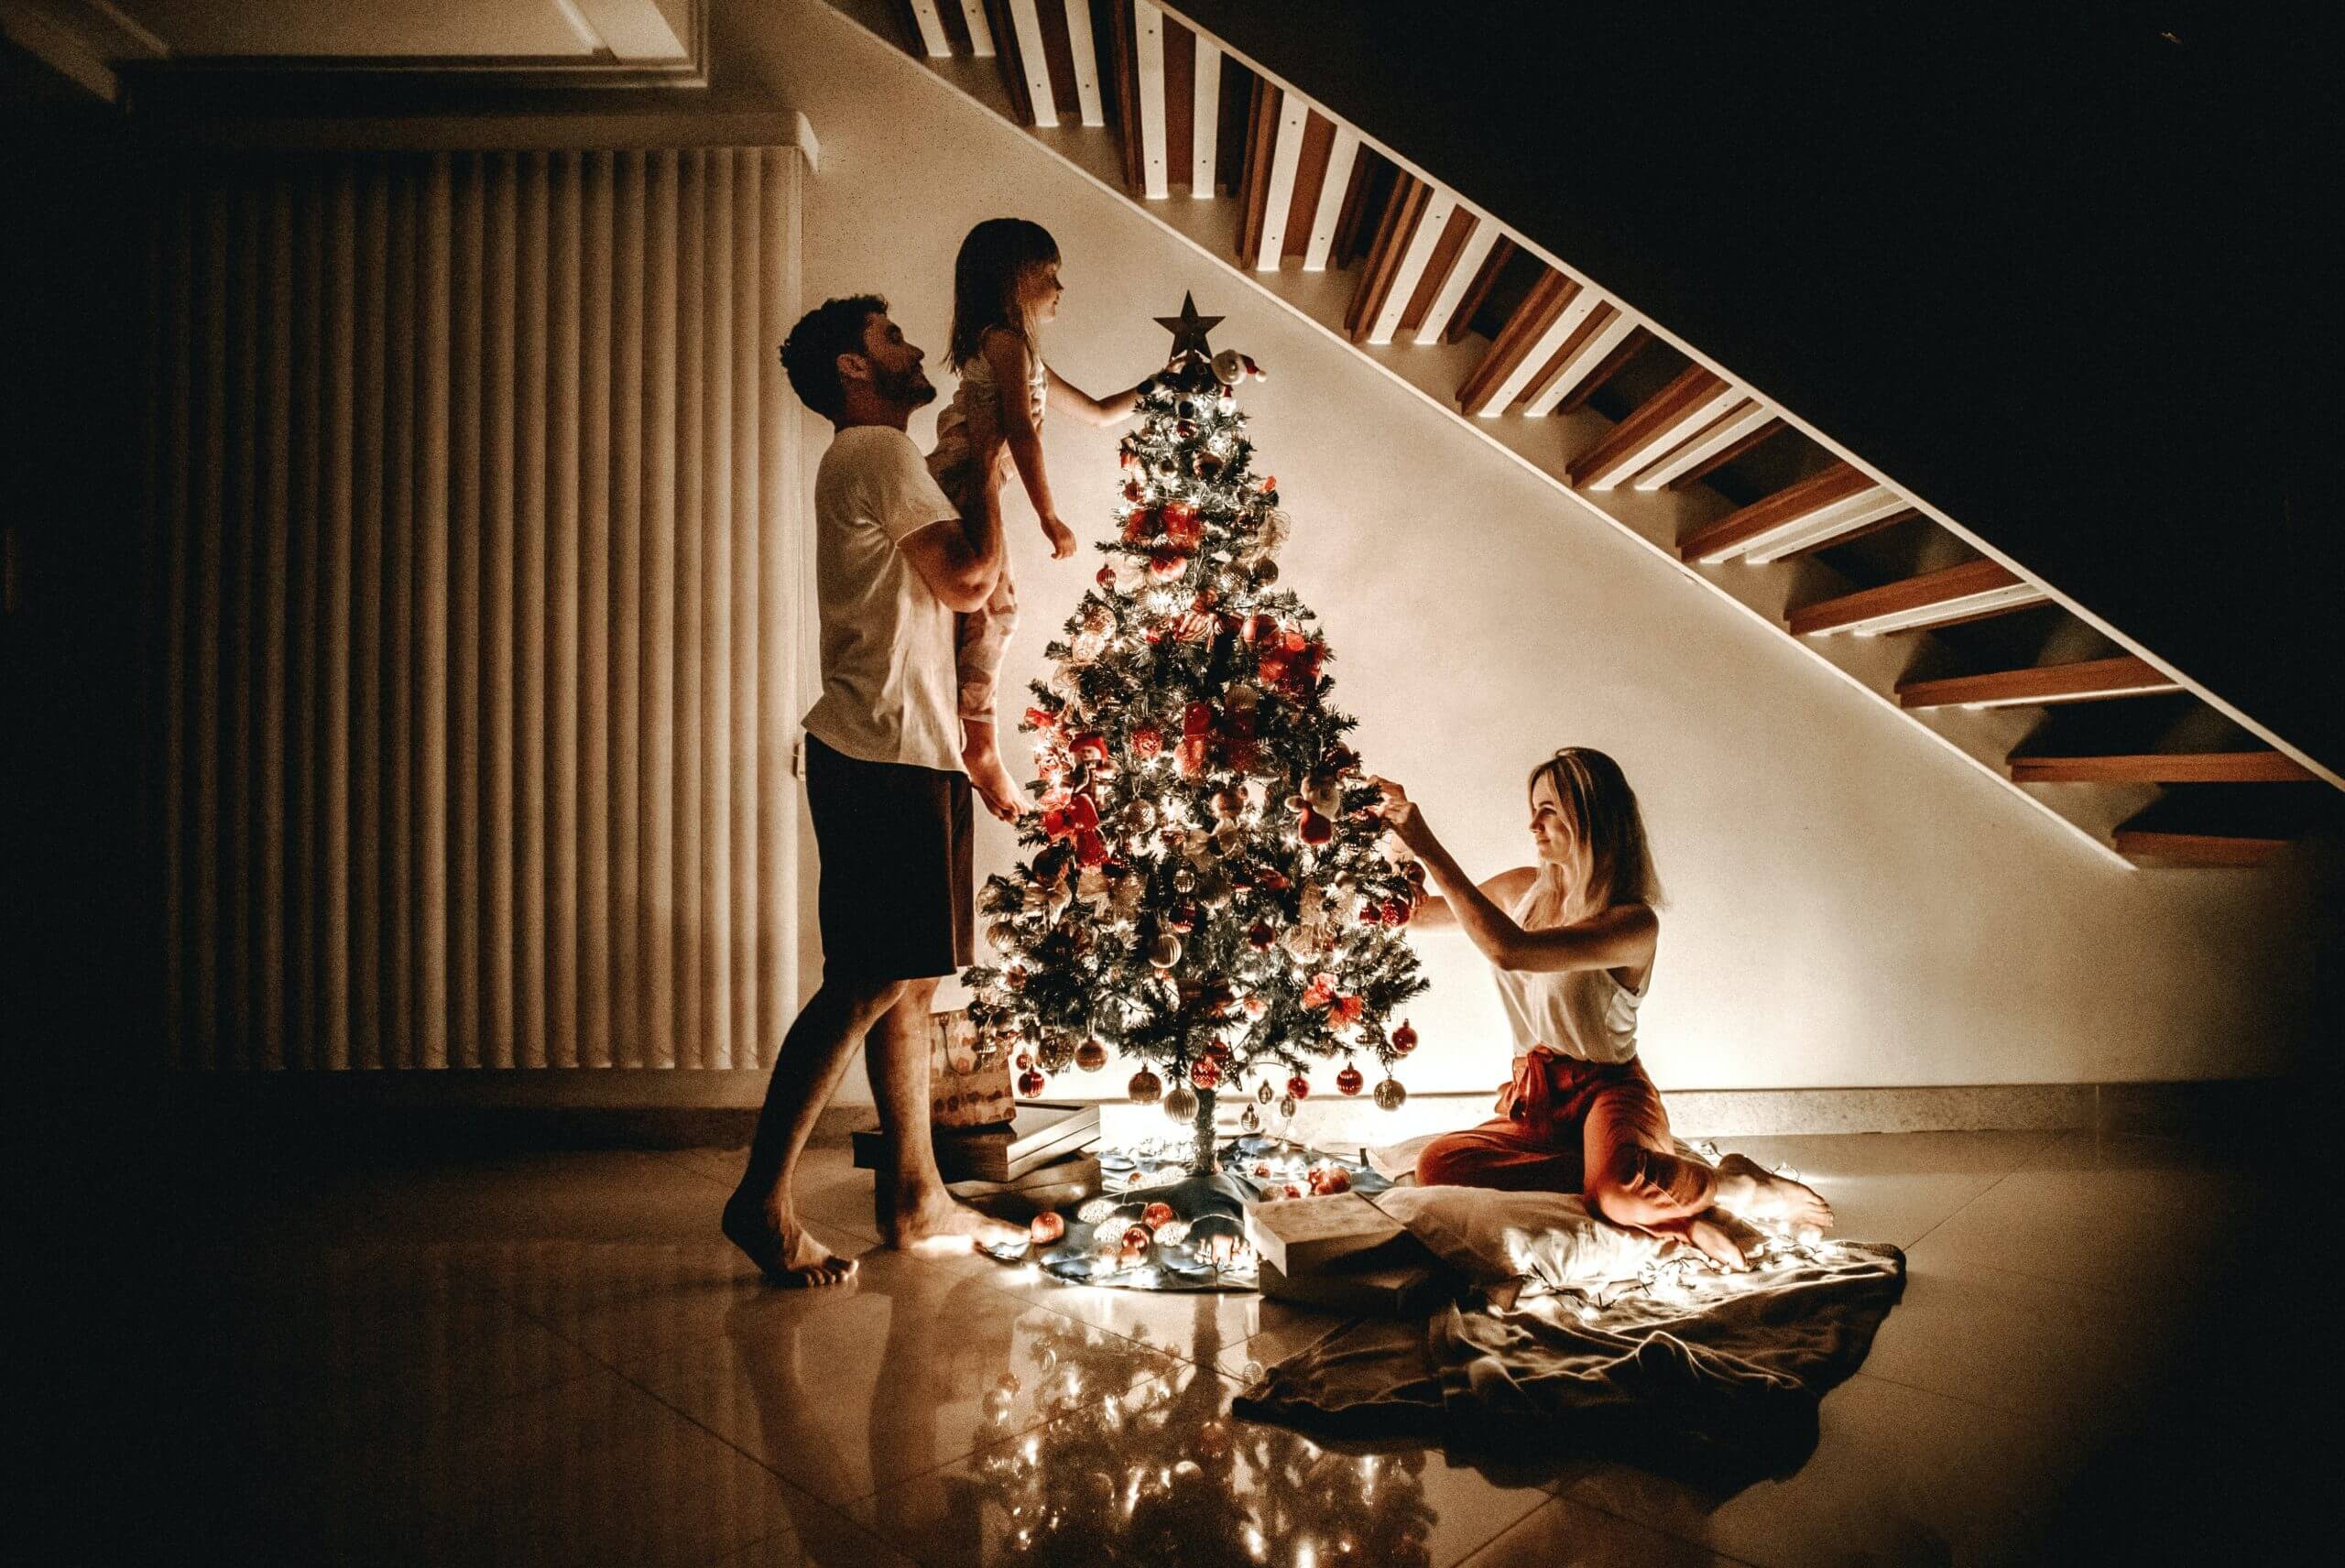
{"x": 1634, "y": 426}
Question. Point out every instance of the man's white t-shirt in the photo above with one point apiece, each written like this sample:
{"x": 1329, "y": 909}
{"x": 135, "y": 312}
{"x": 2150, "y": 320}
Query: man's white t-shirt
{"x": 889, "y": 693}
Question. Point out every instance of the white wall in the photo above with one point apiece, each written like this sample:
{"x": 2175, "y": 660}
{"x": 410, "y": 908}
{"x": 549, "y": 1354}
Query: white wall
{"x": 1850, "y": 904}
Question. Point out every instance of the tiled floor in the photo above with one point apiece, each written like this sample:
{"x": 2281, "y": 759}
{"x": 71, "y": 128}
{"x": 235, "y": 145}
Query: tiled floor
{"x": 554, "y": 1358}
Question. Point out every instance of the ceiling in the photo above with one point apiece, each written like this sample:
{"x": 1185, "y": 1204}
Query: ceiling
{"x": 433, "y": 32}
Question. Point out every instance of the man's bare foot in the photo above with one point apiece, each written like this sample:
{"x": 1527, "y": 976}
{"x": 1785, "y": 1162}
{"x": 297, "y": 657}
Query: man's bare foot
{"x": 935, "y": 1223}
{"x": 991, "y": 780}
{"x": 1749, "y": 1190}
{"x": 784, "y": 1252}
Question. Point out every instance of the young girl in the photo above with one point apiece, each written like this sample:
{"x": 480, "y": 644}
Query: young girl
{"x": 1571, "y": 940}
{"x": 1005, "y": 287}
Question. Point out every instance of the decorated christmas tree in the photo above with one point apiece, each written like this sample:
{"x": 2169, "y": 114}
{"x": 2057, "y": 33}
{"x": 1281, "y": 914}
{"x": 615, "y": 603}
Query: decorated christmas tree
{"x": 1209, "y": 889}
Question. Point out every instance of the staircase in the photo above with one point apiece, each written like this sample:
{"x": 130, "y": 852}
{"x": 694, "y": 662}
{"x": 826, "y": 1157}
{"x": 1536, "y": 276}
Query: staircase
{"x": 1634, "y": 426}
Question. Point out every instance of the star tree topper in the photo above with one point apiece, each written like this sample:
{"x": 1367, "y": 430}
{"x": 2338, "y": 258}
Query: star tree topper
{"x": 1189, "y": 329}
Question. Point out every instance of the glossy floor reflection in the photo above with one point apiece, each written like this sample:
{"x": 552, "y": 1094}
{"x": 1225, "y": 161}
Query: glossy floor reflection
{"x": 554, "y": 1358}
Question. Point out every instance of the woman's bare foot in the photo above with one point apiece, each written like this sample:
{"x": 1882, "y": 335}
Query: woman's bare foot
{"x": 933, "y": 1221}
{"x": 782, "y": 1251}
{"x": 1719, "y": 1239}
{"x": 991, "y": 780}
{"x": 1749, "y": 1190}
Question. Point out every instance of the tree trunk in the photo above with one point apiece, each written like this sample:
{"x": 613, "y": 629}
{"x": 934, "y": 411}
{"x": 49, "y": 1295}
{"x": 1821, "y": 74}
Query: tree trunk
{"x": 1200, "y": 1162}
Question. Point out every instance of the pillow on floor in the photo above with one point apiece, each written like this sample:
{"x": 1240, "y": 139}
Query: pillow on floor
{"x": 1543, "y": 1238}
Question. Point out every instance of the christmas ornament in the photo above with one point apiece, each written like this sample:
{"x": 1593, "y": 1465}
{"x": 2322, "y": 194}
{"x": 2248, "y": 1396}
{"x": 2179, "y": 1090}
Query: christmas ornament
{"x": 1045, "y": 1228}
{"x": 1287, "y": 1105}
{"x": 1144, "y": 1087}
{"x": 1134, "y": 1250}
{"x": 1299, "y": 1087}
{"x": 1156, "y": 1215}
{"x": 1029, "y": 1083}
{"x": 1404, "y": 1039}
{"x": 1349, "y": 1081}
{"x": 1264, "y": 1093}
{"x": 1205, "y": 1072}
{"x": 1390, "y": 1095}
{"x": 1094, "y": 1210}
{"x": 1165, "y": 951}
{"x": 1250, "y": 1119}
{"x": 1181, "y": 1103}
{"x": 1091, "y": 1056}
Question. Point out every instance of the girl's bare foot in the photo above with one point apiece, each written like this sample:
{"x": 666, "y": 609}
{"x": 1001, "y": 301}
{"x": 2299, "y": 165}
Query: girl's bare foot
{"x": 991, "y": 780}
{"x": 783, "y": 1251}
{"x": 1749, "y": 1188}
{"x": 933, "y": 1221}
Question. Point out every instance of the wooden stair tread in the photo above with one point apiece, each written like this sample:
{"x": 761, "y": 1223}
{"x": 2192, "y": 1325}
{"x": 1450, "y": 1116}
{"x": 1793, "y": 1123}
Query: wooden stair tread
{"x": 1929, "y": 599}
{"x": 2089, "y": 680}
{"x": 2260, "y": 767}
{"x": 2196, "y": 848}
{"x": 1781, "y": 512}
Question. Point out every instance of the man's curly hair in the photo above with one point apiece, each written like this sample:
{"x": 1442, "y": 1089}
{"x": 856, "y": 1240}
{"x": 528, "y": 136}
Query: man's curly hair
{"x": 811, "y": 352}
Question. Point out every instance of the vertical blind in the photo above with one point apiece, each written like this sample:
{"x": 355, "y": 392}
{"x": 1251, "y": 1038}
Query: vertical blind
{"x": 478, "y": 547}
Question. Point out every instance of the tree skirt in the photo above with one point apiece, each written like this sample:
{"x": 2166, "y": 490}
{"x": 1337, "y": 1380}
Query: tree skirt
{"x": 1160, "y": 1228}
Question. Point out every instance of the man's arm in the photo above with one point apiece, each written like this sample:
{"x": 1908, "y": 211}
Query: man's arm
{"x": 960, "y": 559}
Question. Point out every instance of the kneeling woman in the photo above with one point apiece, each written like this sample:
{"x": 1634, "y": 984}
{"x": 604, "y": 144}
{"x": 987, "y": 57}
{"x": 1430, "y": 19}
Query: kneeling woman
{"x": 1571, "y": 941}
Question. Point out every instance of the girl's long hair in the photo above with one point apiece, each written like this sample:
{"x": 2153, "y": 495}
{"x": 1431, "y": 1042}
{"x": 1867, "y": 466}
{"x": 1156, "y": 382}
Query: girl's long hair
{"x": 1615, "y": 862}
{"x": 994, "y": 258}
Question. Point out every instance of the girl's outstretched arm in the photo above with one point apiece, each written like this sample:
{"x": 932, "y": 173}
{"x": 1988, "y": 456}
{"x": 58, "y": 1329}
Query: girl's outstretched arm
{"x": 1073, "y": 401}
{"x": 1620, "y": 937}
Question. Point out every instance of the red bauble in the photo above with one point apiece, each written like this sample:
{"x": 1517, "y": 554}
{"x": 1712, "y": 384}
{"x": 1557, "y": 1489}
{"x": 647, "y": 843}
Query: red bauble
{"x": 1147, "y": 740}
{"x": 1396, "y": 912}
{"x": 1156, "y": 1216}
{"x": 1404, "y": 1040}
{"x": 1315, "y": 830}
{"x": 1184, "y": 532}
{"x": 1349, "y": 1081}
{"x": 1105, "y": 578}
{"x": 1166, "y": 565}
{"x": 1045, "y": 1227}
{"x": 1132, "y": 491}
{"x": 1140, "y": 525}
{"x": 1299, "y": 1087}
{"x": 1029, "y": 1082}
{"x": 1090, "y": 849}
{"x": 1261, "y": 628}
{"x": 1145, "y": 1087}
{"x": 1205, "y": 1072}
{"x": 1259, "y": 936}
{"x": 1345, "y": 1011}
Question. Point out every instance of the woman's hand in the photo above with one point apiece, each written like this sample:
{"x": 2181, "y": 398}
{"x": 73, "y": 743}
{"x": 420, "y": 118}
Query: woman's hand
{"x": 1401, "y": 814}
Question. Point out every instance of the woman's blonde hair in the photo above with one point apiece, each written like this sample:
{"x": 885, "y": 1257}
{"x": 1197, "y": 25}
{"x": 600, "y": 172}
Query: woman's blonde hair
{"x": 1608, "y": 833}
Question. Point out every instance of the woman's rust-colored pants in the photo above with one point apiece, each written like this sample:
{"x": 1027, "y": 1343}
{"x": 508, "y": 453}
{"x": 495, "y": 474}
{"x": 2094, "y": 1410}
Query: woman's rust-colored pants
{"x": 1569, "y": 1126}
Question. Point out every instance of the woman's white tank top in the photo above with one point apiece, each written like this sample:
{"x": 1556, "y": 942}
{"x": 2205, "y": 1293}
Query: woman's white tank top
{"x": 1579, "y": 1012}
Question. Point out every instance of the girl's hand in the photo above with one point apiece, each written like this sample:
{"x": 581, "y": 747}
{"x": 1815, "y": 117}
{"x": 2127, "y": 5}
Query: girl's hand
{"x": 1401, "y": 814}
{"x": 1062, "y": 538}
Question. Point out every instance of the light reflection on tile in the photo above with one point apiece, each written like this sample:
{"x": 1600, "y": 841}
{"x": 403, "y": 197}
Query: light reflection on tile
{"x": 1170, "y": 1475}
{"x": 859, "y": 1393}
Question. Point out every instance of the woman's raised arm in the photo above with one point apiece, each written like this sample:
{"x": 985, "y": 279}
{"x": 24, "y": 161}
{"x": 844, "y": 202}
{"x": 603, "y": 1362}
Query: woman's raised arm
{"x": 1622, "y": 936}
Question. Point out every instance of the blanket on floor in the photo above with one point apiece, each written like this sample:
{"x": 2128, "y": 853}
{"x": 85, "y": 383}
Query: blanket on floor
{"x": 1583, "y": 1337}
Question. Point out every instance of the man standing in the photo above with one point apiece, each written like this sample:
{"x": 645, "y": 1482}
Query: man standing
{"x": 886, "y": 786}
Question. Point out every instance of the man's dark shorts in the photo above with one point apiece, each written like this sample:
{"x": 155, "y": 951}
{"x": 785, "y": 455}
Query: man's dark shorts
{"x": 896, "y": 891}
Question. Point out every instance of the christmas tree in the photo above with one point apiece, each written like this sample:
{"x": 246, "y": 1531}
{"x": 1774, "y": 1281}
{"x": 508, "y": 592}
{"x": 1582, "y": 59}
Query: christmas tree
{"x": 1209, "y": 889}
